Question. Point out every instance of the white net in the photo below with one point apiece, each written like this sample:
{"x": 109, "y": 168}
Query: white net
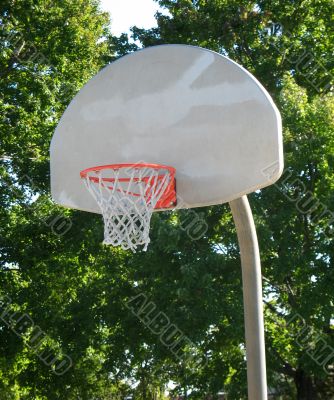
{"x": 127, "y": 197}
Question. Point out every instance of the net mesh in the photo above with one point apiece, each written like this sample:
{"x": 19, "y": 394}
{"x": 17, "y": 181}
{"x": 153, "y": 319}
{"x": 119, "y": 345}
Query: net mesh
{"x": 127, "y": 197}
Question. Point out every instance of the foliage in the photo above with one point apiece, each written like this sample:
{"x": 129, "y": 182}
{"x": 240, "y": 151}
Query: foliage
{"x": 54, "y": 269}
{"x": 287, "y": 46}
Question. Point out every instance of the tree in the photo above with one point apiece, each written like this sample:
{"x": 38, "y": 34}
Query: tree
{"x": 82, "y": 294}
{"x": 288, "y": 47}
{"x": 48, "y": 51}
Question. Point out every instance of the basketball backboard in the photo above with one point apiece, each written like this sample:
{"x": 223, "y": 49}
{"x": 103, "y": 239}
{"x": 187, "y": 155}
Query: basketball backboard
{"x": 176, "y": 105}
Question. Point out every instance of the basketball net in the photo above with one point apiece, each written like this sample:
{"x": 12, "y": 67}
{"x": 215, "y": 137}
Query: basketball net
{"x": 127, "y": 195}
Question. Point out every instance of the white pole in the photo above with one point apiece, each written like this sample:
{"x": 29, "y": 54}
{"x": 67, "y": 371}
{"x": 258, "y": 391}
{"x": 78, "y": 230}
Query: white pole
{"x": 252, "y": 292}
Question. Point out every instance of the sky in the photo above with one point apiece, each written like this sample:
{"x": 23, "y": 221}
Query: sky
{"x": 126, "y": 13}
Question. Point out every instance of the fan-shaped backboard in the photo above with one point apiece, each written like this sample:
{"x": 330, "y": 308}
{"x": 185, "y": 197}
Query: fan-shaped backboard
{"x": 175, "y": 105}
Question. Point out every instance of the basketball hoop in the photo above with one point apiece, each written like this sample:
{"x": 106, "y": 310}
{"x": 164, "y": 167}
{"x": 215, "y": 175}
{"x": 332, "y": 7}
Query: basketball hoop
{"x": 127, "y": 194}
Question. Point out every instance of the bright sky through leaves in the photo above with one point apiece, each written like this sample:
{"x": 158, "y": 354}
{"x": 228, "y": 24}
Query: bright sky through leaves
{"x": 127, "y": 13}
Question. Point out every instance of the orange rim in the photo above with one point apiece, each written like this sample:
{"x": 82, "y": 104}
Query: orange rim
{"x": 168, "y": 198}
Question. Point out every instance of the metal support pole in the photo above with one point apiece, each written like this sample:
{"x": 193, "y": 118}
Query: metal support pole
{"x": 252, "y": 292}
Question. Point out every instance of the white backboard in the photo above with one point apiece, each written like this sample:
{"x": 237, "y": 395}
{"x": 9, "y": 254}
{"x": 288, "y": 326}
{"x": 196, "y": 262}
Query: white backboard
{"x": 177, "y": 105}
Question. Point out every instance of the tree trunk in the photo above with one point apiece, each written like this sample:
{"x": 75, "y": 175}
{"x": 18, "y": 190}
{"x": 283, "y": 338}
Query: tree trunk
{"x": 305, "y": 386}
